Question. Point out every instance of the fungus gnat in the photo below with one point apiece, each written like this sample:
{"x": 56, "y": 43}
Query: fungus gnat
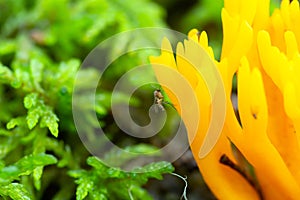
{"x": 159, "y": 101}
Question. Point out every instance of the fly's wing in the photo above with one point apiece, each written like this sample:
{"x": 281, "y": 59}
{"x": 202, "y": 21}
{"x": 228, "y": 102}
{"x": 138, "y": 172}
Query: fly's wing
{"x": 169, "y": 103}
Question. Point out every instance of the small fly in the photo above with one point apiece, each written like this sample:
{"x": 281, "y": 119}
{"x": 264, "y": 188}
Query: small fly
{"x": 159, "y": 101}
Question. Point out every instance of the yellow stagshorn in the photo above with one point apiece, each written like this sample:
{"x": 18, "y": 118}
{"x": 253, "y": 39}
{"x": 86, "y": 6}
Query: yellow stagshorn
{"x": 263, "y": 51}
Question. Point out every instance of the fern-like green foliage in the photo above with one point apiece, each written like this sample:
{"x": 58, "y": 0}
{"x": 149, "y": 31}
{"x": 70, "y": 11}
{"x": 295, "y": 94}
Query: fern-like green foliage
{"x": 42, "y": 43}
{"x": 103, "y": 182}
